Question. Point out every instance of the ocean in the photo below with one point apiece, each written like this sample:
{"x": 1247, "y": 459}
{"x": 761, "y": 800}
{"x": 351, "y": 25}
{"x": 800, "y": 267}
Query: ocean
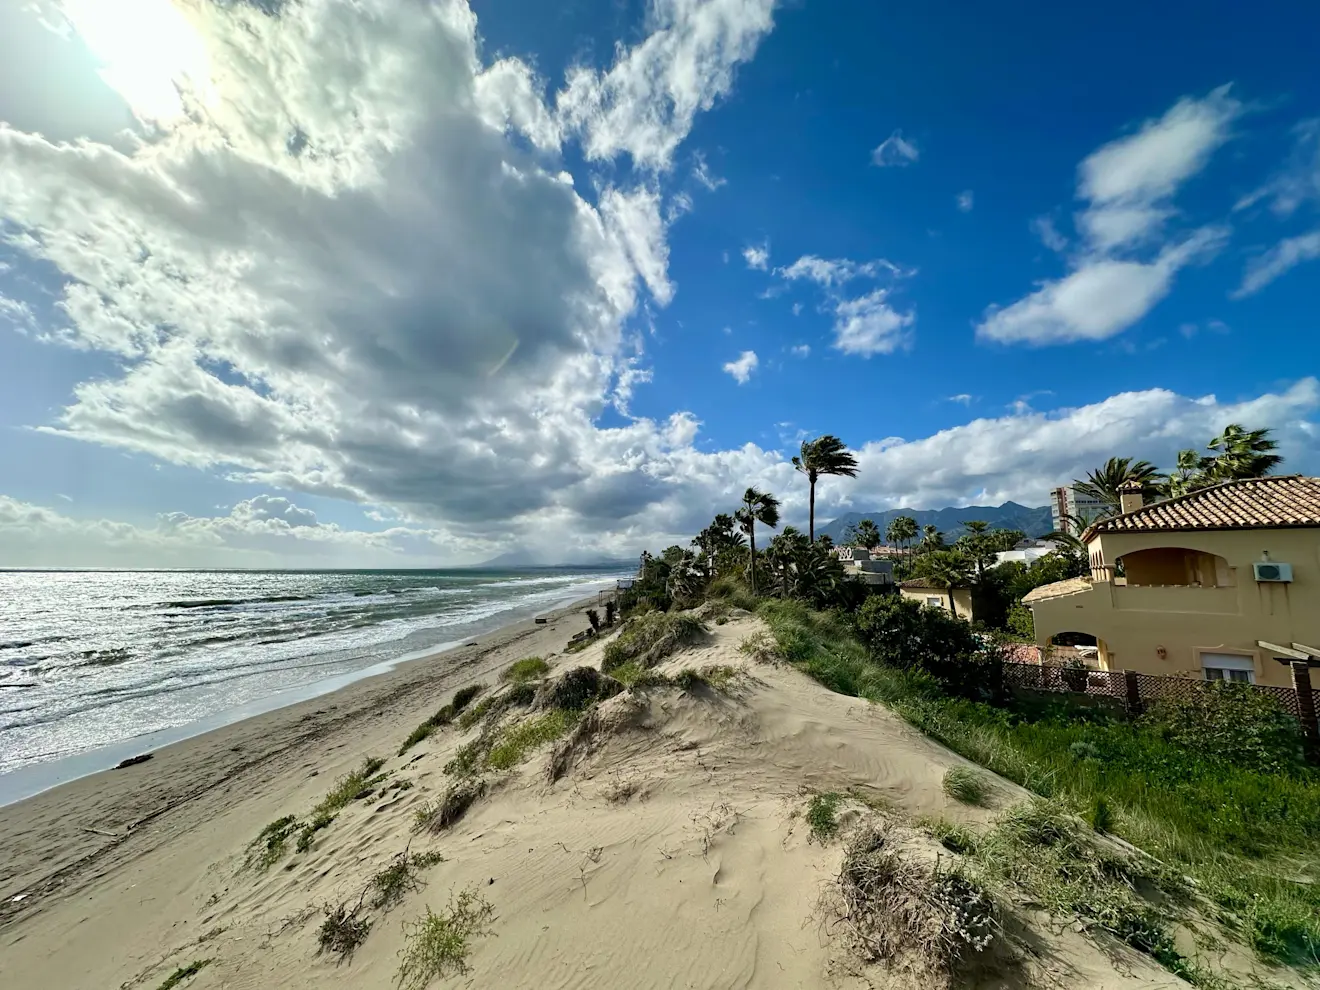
{"x": 89, "y": 659}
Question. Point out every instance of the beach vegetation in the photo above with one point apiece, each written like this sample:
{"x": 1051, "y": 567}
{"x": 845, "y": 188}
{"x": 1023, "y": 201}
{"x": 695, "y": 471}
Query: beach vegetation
{"x": 391, "y": 884}
{"x": 822, "y": 816}
{"x": 350, "y": 787}
{"x": 516, "y": 741}
{"x": 184, "y": 973}
{"x": 716, "y": 677}
{"x": 577, "y": 688}
{"x": 343, "y": 930}
{"x": 953, "y": 836}
{"x": 307, "y": 833}
{"x": 525, "y": 670}
{"x": 462, "y": 698}
{"x": 269, "y": 846}
{"x": 628, "y": 673}
{"x": 825, "y": 455}
{"x": 966, "y": 785}
{"x": 651, "y": 638}
{"x": 438, "y": 945}
{"x": 449, "y": 808}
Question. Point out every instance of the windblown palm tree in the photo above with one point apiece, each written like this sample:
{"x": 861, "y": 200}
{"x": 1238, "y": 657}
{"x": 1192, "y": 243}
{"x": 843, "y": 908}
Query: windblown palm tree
{"x": 757, "y": 506}
{"x": 902, "y": 530}
{"x": 824, "y": 455}
{"x": 1103, "y": 483}
{"x": 866, "y": 534}
{"x": 786, "y": 554}
{"x": 931, "y": 538}
{"x": 947, "y": 569}
{"x": 1241, "y": 453}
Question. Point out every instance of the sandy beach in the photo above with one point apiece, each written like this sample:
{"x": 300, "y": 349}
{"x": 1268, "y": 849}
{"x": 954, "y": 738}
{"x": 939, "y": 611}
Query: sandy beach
{"x": 670, "y": 852}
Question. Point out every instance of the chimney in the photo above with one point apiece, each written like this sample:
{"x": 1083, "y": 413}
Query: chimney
{"x": 1129, "y": 496}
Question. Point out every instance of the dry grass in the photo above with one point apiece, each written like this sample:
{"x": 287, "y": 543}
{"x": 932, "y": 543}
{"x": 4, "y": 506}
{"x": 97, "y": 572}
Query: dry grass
{"x": 438, "y": 945}
{"x": 931, "y": 921}
{"x": 184, "y": 973}
{"x": 650, "y": 639}
{"x": 561, "y": 758}
{"x": 966, "y": 785}
{"x": 343, "y": 930}
{"x": 438, "y": 815}
{"x": 527, "y": 669}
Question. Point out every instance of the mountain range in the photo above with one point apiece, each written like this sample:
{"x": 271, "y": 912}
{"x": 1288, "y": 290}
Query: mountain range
{"x": 1031, "y": 521}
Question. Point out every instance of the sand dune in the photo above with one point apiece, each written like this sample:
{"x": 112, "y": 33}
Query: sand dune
{"x": 671, "y": 853}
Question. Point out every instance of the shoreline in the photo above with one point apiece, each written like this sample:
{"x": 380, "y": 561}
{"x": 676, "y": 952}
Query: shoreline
{"x": 37, "y": 778}
{"x": 64, "y": 836}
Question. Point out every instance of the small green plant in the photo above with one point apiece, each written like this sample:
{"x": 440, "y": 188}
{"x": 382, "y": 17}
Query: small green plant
{"x": 350, "y": 787}
{"x": 440, "y": 814}
{"x": 438, "y": 945}
{"x": 760, "y": 646}
{"x": 514, "y": 743}
{"x": 822, "y": 817}
{"x": 1099, "y": 817}
{"x": 400, "y": 877}
{"x": 627, "y": 674}
{"x": 966, "y": 785}
{"x": 474, "y": 715}
{"x": 525, "y": 670}
{"x": 184, "y": 972}
{"x": 952, "y": 836}
{"x": 466, "y": 761}
{"x": 462, "y": 697}
{"x": 343, "y": 931}
{"x": 307, "y": 834}
{"x": 651, "y": 638}
{"x": 268, "y": 847}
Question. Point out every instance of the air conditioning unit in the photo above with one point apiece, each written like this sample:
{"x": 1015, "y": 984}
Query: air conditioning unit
{"x": 1270, "y": 571}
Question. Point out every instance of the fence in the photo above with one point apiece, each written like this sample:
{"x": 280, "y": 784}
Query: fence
{"x": 1133, "y": 691}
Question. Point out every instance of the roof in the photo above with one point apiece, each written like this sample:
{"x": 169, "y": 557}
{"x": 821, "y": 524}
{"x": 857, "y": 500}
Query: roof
{"x": 1058, "y": 589}
{"x": 923, "y": 584}
{"x": 1253, "y": 503}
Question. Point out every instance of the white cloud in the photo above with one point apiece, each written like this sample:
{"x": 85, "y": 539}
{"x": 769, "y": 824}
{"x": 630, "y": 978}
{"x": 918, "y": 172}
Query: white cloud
{"x": 831, "y": 272}
{"x": 1298, "y": 182}
{"x": 644, "y": 105}
{"x": 702, "y": 173}
{"x": 800, "y": 350}
{"x": 741, "y": 368}
{"x": 1101, "y": 298}
{"x": 1128, "y": 185}
{"x": 757, "y": 258}
{"x": 797, "y": 309}
{"x": 963, "y": 399}
{"x": 1130, "y": 181}
{"x": 1043, "y": 227}
{"x": 1287, "y": 254}
{"x": 870, "y": 325}
{"x": 966, "y": 201}
{"x": 895, "y": 151}
{"x": 17, "y": 314}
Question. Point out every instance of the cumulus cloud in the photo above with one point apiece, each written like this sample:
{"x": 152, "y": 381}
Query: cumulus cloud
{"x": 1128, "y": 185}
{"x": 742, "y": 366}
{"x": 757, "y": 257}
{"x": 895, "y": 151}
{"x": 863, "y": 325}
{"x": 966, "y": 201}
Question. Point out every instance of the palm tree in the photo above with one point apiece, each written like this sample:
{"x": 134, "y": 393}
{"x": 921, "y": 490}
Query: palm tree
{"x": 1188, "y": 475}
{"x": 949, "y": 570}
{"x": 1103, "y": 483}
{"x": 757, "y": 506}
{"x": 902, "y": 530}
{"x": 866, "y": 534}
{"x": 786, "y": 554}
{"x": 977, "y": 547}
{"x": 1241, "y": 453}
{"x": 824, "y": 455}
{"x": 931, "y": 538}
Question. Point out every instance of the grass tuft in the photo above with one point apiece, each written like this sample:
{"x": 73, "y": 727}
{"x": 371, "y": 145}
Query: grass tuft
{"x": 307, "y": 834}
{"x": 651, "y": 638}
{"x": 350, "y": 787}
{"x": 438, "y": 945}
{"x": 822, "y": 816}
{"x": 184, "y": 972}
{"x": 525, "y": 670}
{"x": 966, "y": 785}
{"x": 462, "y": 697}
{"x": 438, "y": 815}
{"x": 514, "y": 743}
{"x": 343, "y": 931}
{"x": 269, "y": 846}
{"x": 400, "y": 877}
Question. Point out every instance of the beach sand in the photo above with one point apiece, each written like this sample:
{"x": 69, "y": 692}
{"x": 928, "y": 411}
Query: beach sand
{"x": 671, "y": 853}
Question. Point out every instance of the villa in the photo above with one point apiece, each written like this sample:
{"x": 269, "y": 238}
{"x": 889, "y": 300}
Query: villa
{"x": 1223, "y": 584}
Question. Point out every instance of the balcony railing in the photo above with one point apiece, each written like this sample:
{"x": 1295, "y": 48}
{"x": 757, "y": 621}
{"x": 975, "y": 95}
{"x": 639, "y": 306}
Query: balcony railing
{"x": 1176, "y": 598}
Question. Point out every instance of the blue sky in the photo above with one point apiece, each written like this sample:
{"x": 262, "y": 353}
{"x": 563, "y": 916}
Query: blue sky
{"x": 569, "y": 277}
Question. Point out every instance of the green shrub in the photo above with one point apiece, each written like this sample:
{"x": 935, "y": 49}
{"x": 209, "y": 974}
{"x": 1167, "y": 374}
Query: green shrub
{"x": 1233, "y": 722}
{"x": 268, "y": 847}
{"x": 514, "y": 743}
{"x": 821, "y": 816}
{"x": 966, "y": 785}
{"x": 350, "y": 787}
{"x": 442, "y": 717}
{"x": 649, "y": 639}
{"x": 528, "y": 669}
{"x": 900, "y": 632}
{"x": 307, "y": 833}
{"x": 1021, "y": 623}
{"x": 438, "y": 945}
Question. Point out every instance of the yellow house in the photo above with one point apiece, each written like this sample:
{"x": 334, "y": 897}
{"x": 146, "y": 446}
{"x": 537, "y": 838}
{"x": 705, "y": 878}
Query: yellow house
{"x": 958, "y": 600}
{"x": 1223, "y": 584}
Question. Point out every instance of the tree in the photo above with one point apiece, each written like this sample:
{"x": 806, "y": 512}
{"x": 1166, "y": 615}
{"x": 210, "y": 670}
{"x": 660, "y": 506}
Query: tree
{"x": 931, "y": 539}
{"x": 977, "y": 546}
{"x": 784, "y": 554}
{"x": 824, "y": 455}
{"x": 946, "y": 569}
{"x": 1103, "y": 483}
{"x": 866, "y": 534}
{"x": 1240, "y": 453}
{"x": 687, "y": 577}
{"x": 902, "y": 530}
{"x": 721, "y": 534}
{"x": 757, "y": 506}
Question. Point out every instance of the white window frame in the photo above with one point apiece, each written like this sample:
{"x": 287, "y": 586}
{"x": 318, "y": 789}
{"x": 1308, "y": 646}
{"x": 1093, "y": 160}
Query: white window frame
{"x": 934, "y": 602}
{"x": 1228, "y": 667}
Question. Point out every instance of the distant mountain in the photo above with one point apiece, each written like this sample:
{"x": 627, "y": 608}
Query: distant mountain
{"x": 1010, "y": 515}
{"x": 519, "y": 559}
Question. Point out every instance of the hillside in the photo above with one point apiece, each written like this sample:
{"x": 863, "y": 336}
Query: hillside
{"x": 1010, "y": 515}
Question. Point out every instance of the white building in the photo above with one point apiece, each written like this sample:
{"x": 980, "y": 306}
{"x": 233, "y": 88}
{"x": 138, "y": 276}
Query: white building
{"x": 1026, "y": 551}
{"x": 862, "y": 565}
{"x": 1068, "y": 506}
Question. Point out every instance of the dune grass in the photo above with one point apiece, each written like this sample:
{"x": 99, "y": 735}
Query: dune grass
{"x": 525, "y": 670}
{"x": 184, "y": 972}
{"x": 350, "y": 787}
{"x": 438, "y": 945}
{"x": 462, "y": 698}
{"x": 966, "y": 785}
{"x": 822, "y": 817}
{"x": 515, "y": 742}
{"x": 1251, "y": 840}
{"x": 650, "y": 638}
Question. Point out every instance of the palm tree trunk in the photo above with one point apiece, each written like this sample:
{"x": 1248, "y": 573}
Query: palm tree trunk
{"x": 953, "y": 609}
{"x": 751, "y": 555}
{"x": 811, "y": 517}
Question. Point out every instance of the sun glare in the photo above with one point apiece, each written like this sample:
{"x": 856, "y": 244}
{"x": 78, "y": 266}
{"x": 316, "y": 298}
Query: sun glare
{"x": 148, "y": 50}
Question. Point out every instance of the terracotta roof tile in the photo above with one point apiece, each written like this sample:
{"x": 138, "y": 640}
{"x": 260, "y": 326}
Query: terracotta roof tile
{"x": 1254, "y": 503}
{"x": 1069, "y": 586}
